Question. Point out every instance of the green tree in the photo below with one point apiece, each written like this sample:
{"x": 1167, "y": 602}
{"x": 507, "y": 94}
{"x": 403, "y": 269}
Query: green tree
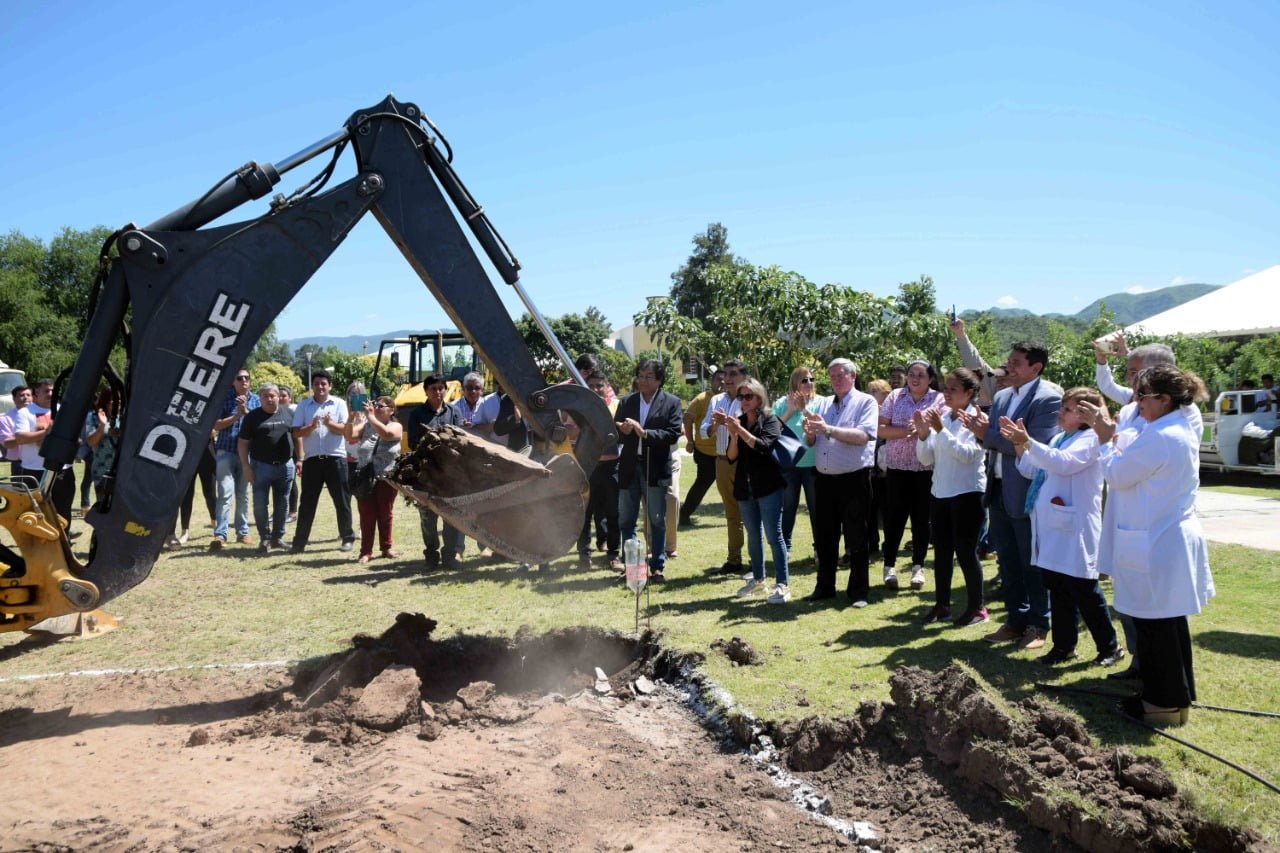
{"x": 577, "y": 333}
{"x": 44, "y": 294}
{"x": 279, "y": 374}
{"x": 269, "y": 348}
{"x": 691, "y": 290}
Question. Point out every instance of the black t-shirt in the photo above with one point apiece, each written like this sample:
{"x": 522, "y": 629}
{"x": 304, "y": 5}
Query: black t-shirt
{"x": 268, "y": 435}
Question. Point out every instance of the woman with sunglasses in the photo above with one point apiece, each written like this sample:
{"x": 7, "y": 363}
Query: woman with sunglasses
{"x": 790, "y": 410}
{"x": 758, "y": 486}
{"x": 378, "y": 445}
{"x": 1150, "y": 532}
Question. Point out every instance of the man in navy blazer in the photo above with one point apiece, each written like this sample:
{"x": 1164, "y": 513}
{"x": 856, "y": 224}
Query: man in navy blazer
{"x": 649, "y": 425}
{"x": 1036, "y": 404}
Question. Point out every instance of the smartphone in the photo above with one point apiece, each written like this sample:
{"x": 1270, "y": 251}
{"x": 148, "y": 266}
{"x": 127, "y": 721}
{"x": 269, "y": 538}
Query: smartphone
{"x": 953, "y": 312}
{"x": 357, "y": 401}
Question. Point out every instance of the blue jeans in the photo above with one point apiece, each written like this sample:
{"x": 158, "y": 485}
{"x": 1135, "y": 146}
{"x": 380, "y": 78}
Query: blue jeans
{"x": 798, "y": 479}
{"x": 655, "y": 505}
{"x": 230, "y": 478}
{"x": 1026, "y": 600}
{"x": 763, "y": 516}
{"x": 275, "y": 481}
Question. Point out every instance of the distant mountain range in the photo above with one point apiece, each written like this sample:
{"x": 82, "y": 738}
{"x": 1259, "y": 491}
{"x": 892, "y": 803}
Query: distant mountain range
{"x": 1128, "y": 307}
{"x": 351, "y": 343}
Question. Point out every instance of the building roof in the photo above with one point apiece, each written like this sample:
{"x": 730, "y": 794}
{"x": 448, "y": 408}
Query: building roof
{"x": 1250, "y": 306}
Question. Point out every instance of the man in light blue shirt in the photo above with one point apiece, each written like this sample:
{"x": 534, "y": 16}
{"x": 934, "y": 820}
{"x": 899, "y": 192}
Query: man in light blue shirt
{"x": 319, "y": 424}
{"x": 842, "y": 432}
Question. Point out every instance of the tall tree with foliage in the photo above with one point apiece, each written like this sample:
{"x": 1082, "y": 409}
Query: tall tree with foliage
{"x": 577, "y": 333}
{"x": 44, "y": 298}
{"x": 691, "y": 289}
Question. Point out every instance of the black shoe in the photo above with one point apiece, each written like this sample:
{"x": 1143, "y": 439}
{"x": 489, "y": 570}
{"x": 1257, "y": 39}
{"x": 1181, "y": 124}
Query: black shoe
{"x": 1130, "y": 674}
{"x": 685, "y": 523}
{"x": 452, "y": 565}
{"x": 938, "y": 613}
{"x": 657, "y": 577}
{"x": 732, "y": 568}
{"x": 14, "y": 572}
{"x": 820, "y": 595}
{"x": 1056, "y": 656}
{"x": 584, "y": 562}
{"x": 1110, "y": 658}
{"x": 297, "y": 549}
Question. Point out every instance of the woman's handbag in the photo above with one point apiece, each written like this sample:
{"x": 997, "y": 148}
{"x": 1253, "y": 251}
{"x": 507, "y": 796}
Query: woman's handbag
{"x": 366, "y": 477}
{"x": 788, "y": 449}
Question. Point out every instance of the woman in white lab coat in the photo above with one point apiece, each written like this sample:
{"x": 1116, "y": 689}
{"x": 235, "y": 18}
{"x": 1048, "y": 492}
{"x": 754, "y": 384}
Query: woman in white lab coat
{"x": 1065, "y": 502}
{"x": 1153, "y": 538}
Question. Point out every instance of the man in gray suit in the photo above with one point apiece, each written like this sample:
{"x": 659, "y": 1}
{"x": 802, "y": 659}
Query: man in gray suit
{"x": 1033, "y": 401}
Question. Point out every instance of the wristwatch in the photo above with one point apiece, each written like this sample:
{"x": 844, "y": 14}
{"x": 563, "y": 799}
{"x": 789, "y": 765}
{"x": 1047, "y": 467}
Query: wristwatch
{"x": 828, "y": 433}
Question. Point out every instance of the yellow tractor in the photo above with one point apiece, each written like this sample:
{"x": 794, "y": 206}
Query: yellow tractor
{"x": 413, "y": 359}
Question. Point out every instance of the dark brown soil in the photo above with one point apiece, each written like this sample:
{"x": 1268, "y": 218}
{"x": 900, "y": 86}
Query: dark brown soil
{"x": 407, "y": 743}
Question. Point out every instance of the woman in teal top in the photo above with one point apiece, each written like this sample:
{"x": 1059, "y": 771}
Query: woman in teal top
{"x": 790, "y": 410}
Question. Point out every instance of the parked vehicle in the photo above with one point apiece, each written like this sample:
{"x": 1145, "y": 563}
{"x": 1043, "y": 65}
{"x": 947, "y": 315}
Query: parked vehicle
{"x": 1238, "y": 436}
{"x": 10, "y": 378}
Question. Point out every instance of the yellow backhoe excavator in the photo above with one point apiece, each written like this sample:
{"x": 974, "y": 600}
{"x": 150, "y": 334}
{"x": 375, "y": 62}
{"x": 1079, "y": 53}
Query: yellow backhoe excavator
{"x": 201, "y": 297}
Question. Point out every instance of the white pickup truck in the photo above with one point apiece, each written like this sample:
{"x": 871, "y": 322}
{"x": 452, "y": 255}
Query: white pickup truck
{"x": 1224, "y": 434}
{"x": 9, "y": 379}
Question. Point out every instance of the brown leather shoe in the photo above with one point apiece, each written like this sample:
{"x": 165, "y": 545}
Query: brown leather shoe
{"x": 245, "y": 540}
{"x": 217, "y": 544}
{"x": 1032, "y": 638}
{"x": 1005, "y": 634}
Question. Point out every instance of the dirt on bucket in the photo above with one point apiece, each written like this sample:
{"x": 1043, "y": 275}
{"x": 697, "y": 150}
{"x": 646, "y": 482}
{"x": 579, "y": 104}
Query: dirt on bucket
{"x": 576, "y": 739}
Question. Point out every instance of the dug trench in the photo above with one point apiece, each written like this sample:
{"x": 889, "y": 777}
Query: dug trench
{"x": 577, "y": 739}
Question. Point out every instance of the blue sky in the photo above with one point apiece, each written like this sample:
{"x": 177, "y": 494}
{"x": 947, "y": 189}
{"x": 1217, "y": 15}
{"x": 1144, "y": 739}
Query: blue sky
{"x": 1029, "y": 154}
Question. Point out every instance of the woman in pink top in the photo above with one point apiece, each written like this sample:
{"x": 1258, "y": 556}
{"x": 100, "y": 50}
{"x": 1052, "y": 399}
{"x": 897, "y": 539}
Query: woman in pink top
{"x": 907, "y": 482}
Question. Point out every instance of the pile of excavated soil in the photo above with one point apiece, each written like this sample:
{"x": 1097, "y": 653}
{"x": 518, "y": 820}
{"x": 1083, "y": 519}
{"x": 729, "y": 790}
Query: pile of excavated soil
{"x": 552, "y": 742}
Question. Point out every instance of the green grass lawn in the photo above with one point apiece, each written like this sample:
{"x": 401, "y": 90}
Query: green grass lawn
{"x": 824, "y": 658}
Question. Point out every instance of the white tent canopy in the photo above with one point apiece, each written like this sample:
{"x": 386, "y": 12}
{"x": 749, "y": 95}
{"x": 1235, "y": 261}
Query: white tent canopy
{"x": 1250, "y": 306}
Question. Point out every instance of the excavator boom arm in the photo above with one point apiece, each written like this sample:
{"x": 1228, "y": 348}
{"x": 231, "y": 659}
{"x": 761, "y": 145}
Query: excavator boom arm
{"x": 202, "y": 298}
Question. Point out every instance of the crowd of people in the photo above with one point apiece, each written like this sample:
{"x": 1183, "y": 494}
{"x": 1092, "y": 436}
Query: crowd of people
{"x": 982, "y": 459}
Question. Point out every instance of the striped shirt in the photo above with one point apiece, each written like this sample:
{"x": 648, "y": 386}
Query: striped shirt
{"x": 856, "y": 410}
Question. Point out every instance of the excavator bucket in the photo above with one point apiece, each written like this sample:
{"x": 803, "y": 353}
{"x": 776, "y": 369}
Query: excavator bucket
{"x": 529, "y": 512}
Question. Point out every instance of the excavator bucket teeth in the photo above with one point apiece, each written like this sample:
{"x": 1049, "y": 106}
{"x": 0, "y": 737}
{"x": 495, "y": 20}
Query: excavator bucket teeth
{"x": 529, "y": 512}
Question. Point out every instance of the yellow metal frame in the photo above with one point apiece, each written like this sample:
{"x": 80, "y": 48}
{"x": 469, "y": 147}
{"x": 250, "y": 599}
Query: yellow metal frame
{"x": 51, "y": 586}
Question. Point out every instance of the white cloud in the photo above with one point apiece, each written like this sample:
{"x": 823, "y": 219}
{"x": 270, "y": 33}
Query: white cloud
{"x": 1007, "y": 301}
{"x": 1137, "y": 288}
{"x": 1248, "y": 272}
{"x": 1179, "y": 279}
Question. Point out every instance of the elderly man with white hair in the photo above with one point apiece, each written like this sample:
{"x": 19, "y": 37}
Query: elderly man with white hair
{"x": 842, "y": 432}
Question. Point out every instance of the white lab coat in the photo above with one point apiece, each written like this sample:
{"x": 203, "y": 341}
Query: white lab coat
{"x": 1152, "y": 544}
{"x": 1065, "y": 538}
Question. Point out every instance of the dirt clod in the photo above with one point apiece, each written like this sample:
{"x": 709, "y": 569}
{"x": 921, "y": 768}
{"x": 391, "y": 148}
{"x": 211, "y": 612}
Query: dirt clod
{"x": 739, "y": 651}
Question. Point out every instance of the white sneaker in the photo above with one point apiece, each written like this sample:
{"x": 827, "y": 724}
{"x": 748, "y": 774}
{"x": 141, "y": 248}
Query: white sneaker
{"x": 750, "y": 587}
{"x": 182, "y": 540}
{"x": 917, "y": 577}
{"x": 890, "y": 578}
{"x": 780, "y": 594}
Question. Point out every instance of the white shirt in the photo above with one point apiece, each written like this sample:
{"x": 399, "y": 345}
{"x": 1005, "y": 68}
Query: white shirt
{"x": 1107, "y": 384}
{"x": 25, "y": 421}
{"x": 1065, "y": 532}
{"x": 956, "y": 456}
{"x": 322, "y": 442}
{"x": 1152, "y": 544}
{"x": 855, "y": 410}
{"x": 645, "y": 406}
{"x": 721, "y": 402}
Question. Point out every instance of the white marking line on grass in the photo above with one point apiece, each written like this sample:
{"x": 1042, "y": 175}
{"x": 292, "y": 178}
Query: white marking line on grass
{"x": 97, "y": 673}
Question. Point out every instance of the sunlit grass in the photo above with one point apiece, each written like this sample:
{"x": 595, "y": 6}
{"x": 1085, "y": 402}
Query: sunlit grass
{"x": 236, "y": 606}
